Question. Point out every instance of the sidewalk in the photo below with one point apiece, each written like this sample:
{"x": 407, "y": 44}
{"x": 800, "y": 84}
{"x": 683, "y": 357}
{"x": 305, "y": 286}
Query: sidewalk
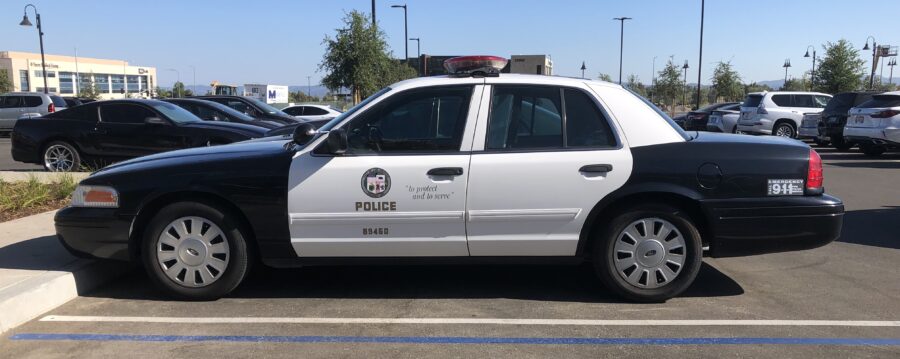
{"x": 37, "y": 274}
{"x": 43, "y": 176}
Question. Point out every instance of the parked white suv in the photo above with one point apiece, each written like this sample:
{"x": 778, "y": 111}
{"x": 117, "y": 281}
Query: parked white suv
{"x": 16, "y": 105}
{"x": 875, "y": 124}
{"x": 779, "y": 112}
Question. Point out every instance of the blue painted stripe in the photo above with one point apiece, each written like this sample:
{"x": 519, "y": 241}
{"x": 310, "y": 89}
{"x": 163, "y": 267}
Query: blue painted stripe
{"x": 457, "y": 340}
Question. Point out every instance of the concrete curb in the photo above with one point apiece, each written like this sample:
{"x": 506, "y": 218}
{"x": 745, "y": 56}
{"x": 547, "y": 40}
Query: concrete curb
{"x": 42, "y": 176}
{"x": 38, "y": 275}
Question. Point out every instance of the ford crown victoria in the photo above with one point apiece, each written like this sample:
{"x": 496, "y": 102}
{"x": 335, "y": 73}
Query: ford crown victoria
{"x": 471, "y": 168}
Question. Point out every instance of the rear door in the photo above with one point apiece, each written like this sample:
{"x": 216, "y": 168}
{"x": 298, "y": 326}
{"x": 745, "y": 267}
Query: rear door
{"x": 122, "y": 131}
{"x": 548, "y": 155}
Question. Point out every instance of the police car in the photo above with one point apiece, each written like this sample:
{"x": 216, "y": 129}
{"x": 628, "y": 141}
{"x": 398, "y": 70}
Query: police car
{"x": 475, "y": 167}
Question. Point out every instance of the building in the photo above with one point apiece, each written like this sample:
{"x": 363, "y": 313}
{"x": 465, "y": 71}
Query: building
{"x": 267, "y": 93}
{"x": 67, "y": 74}
{"x": 531, "y": 64}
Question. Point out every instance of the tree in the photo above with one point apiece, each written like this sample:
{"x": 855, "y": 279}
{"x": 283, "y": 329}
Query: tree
{"x": 634, "y": 83}
{"x": 88, "y": 89}
{"x": 841, "y": 69}
{"x": 178, "y": 90}
{"x": 357, "y": 58}
{"x": 5, "y": 84}
{"x": 604, "y": 77}
{"x": 756, "y": 87}
{"x": 795, "y": 84}
{"x": 726, "y": 82}
{"x": 162, "y": 93}
{"x": 301, "y": 96}
{"x": 669, "y": 84}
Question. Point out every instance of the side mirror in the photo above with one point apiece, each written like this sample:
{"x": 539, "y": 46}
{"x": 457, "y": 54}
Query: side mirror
{"x": 154, "y": 121}
{"x": 337, "y": 141}
{"x": 303, "y": 133}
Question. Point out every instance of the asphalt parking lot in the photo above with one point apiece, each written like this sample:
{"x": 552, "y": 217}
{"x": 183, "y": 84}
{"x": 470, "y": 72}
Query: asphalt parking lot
{"x": 763, "y": 306}
{"x": 6, "y": 161}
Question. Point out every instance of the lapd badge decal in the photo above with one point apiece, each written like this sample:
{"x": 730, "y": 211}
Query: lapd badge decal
{"x": 376, "y": 182}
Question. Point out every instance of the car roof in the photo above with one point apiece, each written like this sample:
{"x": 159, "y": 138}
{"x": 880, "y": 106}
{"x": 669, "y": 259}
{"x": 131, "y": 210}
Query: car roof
{"x": 502, "y": 78}
{"x": 20, "y": 93}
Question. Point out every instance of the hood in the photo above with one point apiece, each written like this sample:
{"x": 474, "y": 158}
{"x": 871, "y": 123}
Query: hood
{"x": 254, "y": 131}
{"x": 200, "y": 154}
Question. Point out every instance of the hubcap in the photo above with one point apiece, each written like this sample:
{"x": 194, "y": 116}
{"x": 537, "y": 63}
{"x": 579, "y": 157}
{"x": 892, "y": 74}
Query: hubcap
{"x": 192, "y": 251}
{"x": 784, "y": 131}
{"x": 649, "y": 253}
{"x": 59, "y": 158}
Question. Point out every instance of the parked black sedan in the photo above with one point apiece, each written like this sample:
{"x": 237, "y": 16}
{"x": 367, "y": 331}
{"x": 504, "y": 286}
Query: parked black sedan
{"x": 253, "y": 108}
{"x": 213, "y": 111}
{"x": 109, "y": 131}
{"x": 696, "y": 120}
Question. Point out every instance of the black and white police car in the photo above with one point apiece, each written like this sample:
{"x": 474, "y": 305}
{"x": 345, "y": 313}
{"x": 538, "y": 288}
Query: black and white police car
{"x": 476, "y": 167}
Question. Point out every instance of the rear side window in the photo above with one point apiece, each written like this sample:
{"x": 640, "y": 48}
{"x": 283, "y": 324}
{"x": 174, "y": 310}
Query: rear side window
{"x": 804, "y": 101}
{"x": 525, "y": 117}
{"x": 32, "y": 101}
{"x": 586, "y": 126}
{"x": 782, "y": 100}
{"x": 314, "y": 111}
{"x": 882, "y": 101}
{"x": 10, "y": 101}
{"x": 294, "y": 111}
{"x": 58, "y": 101}
{"x": 124, "y": 113}
{"x": 87, "y": 113}
{"x": 752, "y": 100}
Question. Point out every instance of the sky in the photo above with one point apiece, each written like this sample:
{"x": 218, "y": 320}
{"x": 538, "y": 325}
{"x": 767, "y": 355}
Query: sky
{"x": 280, "y": 42}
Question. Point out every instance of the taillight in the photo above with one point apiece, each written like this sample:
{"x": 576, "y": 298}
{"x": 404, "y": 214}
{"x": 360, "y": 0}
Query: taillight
{"x": 885, "y": 114}
{"x": 761, "y": 110}
{"x": 815, "y": 177}
{"x": 51, "y": 108}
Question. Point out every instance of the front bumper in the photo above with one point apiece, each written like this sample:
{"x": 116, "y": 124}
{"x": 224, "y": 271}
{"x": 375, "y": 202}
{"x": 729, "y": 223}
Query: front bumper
{"x": 94, "y": 232}
{"x": 750, "y": 226}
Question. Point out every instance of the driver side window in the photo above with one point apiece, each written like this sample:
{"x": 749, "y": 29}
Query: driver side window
{"x": 425, "y": 120}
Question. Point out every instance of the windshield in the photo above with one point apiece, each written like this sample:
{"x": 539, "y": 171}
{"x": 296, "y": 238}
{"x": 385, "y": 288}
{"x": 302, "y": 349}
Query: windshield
{"x": 752, "y": 101}
{"x": 174, "y": 113}
{"x": 266, "y": 107}
{"x": 664, "y": 116}
{"x": 882, "y": 101}
{"x": 334, "y": 122}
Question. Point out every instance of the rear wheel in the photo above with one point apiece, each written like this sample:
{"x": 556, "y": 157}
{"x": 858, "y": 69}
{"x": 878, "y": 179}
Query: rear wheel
{"x": 649, "y": 253}
{"x": 60, "y": 156}
{"x": 872, "y": 151}
{"x": 839, "y": 143}
{"x": 784, "y": 129}
{"x": 192, "y": 252}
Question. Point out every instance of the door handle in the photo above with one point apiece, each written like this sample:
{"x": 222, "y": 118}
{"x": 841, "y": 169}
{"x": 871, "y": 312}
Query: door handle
{"x": 604, "y": 168}
{"x": 100, "y": 131}
{"x": 446, "y": 171}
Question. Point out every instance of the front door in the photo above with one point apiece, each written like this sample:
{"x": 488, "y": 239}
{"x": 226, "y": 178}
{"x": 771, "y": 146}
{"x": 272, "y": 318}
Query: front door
{"x": 550, "y": 155}
{"x": 400, "y": 190}
{"x": 122, "y": 132}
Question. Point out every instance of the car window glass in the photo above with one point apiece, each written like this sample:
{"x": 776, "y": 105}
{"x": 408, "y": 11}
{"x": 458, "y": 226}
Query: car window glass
{"x": 58, "y": 101}
{"x": 32, "y": 101}
{"x": 804, "y": 101}
{"x": 314, "y": 111}
{"x": 863, "y": 97}
{"x": 206, "y": 113}
{"x": 840, "y": 102}
{"x": 525, "y": 117}
{"x": 8, "y": 101}
{"x": 585, "y": 124}
{"x": 782, "y": 100}
{"x": 882, "y": 101}
{"x": 821, "y": 101}
{"x": 419, "y": 120}
{"x": 294, "y": 111}
{"x": 86, "y": 113}
{"x": 124, "y": 113}
{"x": 240, "y": 107}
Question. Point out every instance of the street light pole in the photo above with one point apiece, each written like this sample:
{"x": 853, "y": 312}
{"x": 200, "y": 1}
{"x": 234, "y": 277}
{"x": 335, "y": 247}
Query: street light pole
{"x": 418, "y": 46}
{"x": 178, "y": 74}
{"x": 653, "y": 79}
{"x": 787, "y": 63}
{"x": 874, "y": 58}
{"x": 812, "y": 77}
{"x": 373, "y": 13}
{"x": 405, "y": 31}
{"x": 700, "y": 61}
{"x": 25, "y": 22}
{"x": 892, "y": 63}
{"x": 308, "y": 86}
{"x": 194, "y": 84}
{"x": 684, "y": 86}
{"x": 621, "y": 42}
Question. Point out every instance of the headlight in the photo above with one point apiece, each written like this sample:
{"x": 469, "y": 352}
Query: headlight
{"x": 95, "y": 196}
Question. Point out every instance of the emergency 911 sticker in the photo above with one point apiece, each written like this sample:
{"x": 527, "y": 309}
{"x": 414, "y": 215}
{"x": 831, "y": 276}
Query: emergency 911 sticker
{"x": 785, "y": 187}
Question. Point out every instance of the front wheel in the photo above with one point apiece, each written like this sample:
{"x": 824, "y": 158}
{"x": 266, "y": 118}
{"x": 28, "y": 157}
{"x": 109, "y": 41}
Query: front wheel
{"x": 649, "y": 253}
{"x": 195, "y": 251}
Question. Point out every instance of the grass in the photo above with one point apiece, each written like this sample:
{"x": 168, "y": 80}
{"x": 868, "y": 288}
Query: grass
{"x": 24, "y": 198}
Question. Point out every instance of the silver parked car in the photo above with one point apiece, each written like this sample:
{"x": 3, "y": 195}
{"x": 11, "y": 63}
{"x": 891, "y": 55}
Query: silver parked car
{"x": 16, "y": 105}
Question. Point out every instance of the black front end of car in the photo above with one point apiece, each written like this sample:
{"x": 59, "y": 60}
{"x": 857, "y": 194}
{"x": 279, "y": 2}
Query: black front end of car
{"x": 94, "y": 232}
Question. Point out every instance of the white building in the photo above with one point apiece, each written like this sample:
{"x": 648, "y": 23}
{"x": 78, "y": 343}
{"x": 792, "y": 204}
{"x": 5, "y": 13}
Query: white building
{"x": 531, "y": 64}
{"x": 67, "y": 74}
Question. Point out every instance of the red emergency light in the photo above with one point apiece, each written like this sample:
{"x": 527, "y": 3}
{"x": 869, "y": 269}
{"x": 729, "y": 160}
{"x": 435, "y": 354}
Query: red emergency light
{"x": 475, "y": 65}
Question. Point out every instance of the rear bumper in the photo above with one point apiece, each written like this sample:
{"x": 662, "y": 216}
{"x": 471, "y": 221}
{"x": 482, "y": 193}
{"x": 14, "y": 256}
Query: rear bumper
{"x": 808, "y": 132}
{"x": 24, "y": 149}
{"x": 750, "y": 226}
{"x": 94, "y": 232}
{"x": 878, "y": 136}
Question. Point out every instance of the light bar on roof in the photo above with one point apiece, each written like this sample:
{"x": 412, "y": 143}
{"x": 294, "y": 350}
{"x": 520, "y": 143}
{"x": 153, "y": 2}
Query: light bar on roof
{"x": 475, "y": 65}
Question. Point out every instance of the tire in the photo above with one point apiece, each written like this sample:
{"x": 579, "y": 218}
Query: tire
{"x": 840, "y": 144}
{"x": 613, "y": 267}
{"x": 203, "y": 267}
{"x": 784, "y": 129}
{"x": 872, "y": 151}
{"x": 60, "y": 156}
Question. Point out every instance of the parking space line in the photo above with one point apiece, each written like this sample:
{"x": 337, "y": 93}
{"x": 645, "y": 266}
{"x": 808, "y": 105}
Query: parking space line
{"x": 456, "y": 340}
{"x": 482, "y": 321}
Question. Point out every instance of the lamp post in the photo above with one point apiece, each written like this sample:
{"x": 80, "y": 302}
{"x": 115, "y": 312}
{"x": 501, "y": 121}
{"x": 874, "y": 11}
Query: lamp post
{"x": 892, "y": 63}
{"x": 308, "y": 86}
{"x": 373, "y": 13}
{"x": 684, "y": 68}
{"x": 178, "y": 74}
{"x": 621, "y": 42}
{"x": 405, "y": 30}
{"x": 812, "y": 77}
{"x": 787, "y": 63}
{"x": 26, "y": 22}
{"x": 418, "y": 46}
{"x": 874, "y": 59}
{"x": 653, "y": 79}
{"x": 583, "y": 67}
{"x": 194, "y": 84}
{"x": 700, "y": 60}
